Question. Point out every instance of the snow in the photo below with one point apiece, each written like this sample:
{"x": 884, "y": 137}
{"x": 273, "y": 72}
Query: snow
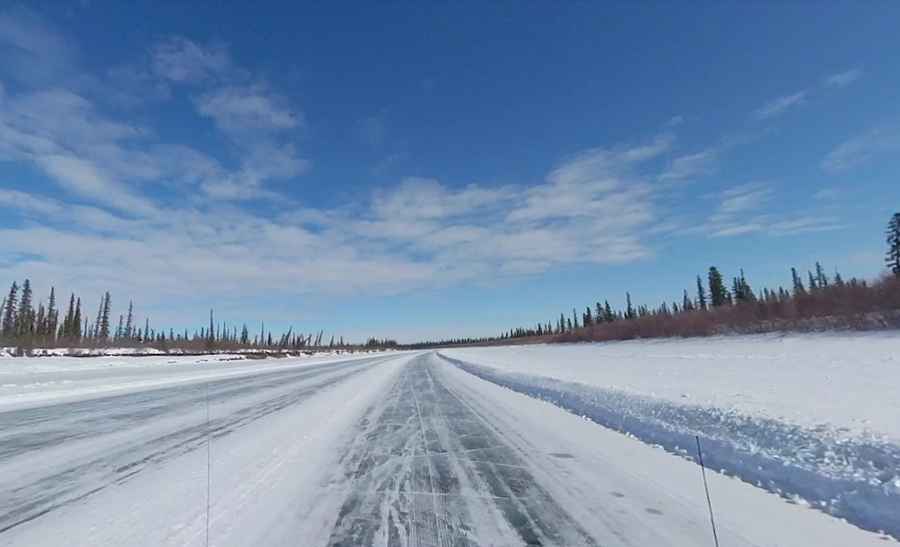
{"x": 28, "y": 381}
{"x": 261, "y": 477}
{"x": 629, "y": 493}
{"x": 813, "y": 418}
{"x": 394, "y": 449}
{"x": 837, "y": 380}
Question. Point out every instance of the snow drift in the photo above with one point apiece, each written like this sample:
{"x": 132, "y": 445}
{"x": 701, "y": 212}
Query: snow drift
{"x": 826, "y": 461}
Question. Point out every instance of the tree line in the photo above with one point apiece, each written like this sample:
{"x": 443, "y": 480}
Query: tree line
{"x": 717, "y": 305}
{"x": 26, "y": 326}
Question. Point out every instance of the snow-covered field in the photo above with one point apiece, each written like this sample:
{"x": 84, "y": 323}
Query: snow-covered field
{"x": 815, "y": 418}
{"x": 403, "y": 448}
{"x": 42, "y": 380}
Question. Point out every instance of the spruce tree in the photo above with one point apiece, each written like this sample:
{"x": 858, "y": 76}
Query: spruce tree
{"x": 701, "y": 294}
{"x": 129, "y": 321}
{"x": 9, "y": 311}
{"x": 629, "y": 310}
{"x": 608, "y": 314}
{"x": 76, "y": 320}
{"x": 95, "y": 328}
{"x": 892, "y": 257}
{"x": 25, "y": 315}
{"x": 40, "y": 321}
{"x": 742, "y": 291}
{"x": 718, "y": 294}
{"x": 588, "y": 318}
{"x": 821, "y": 278}
{"x": 70, "y": 318}
{"x": 52, "y": 314}
{"x": 799, "y": 290}
{"x": 104, "y": 318}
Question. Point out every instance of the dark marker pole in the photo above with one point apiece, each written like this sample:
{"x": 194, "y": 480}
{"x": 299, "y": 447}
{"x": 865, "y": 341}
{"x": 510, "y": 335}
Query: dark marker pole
{"x": 712, "y": 519}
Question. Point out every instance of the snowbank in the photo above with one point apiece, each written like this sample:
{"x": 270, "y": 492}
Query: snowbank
{"x": 845, "y": 381}
{"x": 814, "y": 418}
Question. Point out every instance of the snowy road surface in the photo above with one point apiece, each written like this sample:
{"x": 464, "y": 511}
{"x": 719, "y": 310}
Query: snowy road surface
{"x": 403, "y": 449}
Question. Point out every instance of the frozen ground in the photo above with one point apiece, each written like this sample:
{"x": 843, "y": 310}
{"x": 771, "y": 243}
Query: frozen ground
{"x": 399, "y": 449}
{"x": 814, "y": 418}
{"x": 41, "y": 380}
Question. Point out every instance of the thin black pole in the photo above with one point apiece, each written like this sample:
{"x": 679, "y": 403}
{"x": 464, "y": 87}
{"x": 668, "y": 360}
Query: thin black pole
{"x": 208, "y": 465}
{"x": 712, "y": 519}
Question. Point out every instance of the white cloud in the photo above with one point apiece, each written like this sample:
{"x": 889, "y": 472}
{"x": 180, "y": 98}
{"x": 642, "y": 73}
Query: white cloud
{"x": 85, "y": 179}
{"x": 21, "y": 201}
{"x": 32, "y": 51}
{"x": 256, "y": 120}
{"x": 805, "y": 224}
{"x": 84, "y": 152}
{"x": 595, "y": 207}
{"x": 744, "y": 198}
{"x": 742, "y": 210}
{"x": 780, "y": 105}
{"x": 675, "y": 121}
{"x": 861, "y": 149}
{"x": 691, "y": 165}
{"x": 843, "y": 79}
{"x": 826, "y": 194}
{"x": 737, "y": 229}
{"x": 181, "y": 60}
{"x": 421, "y": 198}
{"x": 239, "y": 110}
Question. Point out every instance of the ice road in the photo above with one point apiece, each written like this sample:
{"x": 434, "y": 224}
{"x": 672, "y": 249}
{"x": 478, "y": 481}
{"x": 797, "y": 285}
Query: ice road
{"x": 396, "y": 449}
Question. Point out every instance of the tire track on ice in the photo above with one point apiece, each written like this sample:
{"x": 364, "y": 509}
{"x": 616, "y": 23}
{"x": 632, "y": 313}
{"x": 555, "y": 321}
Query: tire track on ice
{"x": 426, "y": 469}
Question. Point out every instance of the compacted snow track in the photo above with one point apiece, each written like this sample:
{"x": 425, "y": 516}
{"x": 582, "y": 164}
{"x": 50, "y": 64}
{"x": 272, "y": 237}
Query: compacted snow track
{"x": 428, "y": 469}
{"x": 404, "y": 449}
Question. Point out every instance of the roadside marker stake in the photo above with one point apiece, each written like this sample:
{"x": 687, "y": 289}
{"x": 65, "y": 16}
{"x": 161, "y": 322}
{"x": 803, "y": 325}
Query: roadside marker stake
{"x": 208, "y": 476}
{"x": 712, "y": 519}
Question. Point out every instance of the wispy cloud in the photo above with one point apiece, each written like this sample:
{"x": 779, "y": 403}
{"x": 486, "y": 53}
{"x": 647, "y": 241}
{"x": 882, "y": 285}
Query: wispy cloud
{"x": 691, "y": 165}
{"x": 779, "y": 106}
{"x": 181, "y": 60}
{"x": 28, "y": 203}
{"x": 826, "y": 194}
{"x": 805, "y": 224}
{"x": 843, "y": 79}
{"x": 861, "y": 149}
{"x": 61, "y": 133}
{"x": 246, "y": 110}
{"x": 33, "y": 52}
{"x": 745, "y": 209}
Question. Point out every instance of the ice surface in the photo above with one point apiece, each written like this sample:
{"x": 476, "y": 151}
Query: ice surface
{"x": 398, "y": 449}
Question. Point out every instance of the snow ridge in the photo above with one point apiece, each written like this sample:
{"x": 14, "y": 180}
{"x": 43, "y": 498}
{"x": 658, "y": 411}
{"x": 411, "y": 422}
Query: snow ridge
{"x": 854, "y": 478}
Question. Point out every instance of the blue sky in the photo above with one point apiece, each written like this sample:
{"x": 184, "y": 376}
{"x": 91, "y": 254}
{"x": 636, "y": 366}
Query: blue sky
{"x": 425, "y": 170}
